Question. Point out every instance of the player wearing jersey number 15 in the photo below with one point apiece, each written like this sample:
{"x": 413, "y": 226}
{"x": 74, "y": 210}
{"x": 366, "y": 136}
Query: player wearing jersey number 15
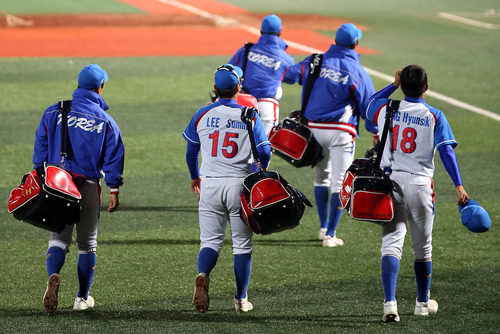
{"x": 217, "y": 131}
{"x": 417, "y": 130}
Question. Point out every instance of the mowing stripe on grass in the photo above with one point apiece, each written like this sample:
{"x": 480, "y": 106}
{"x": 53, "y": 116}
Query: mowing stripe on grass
{"x": 464, "y": 20}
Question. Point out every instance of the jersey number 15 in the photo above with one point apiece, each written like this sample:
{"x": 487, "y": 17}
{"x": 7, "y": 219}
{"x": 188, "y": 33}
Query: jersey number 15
{"x": 229, "y": 147}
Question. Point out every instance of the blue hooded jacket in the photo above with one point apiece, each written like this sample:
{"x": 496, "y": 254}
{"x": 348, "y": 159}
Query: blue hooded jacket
{"x": 96, "y": 142}
{"x": 342, "y": 91}
{"x": 267, "y": 61}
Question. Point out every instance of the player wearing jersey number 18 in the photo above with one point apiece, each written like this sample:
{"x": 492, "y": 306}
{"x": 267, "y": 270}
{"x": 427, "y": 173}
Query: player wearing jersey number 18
{"x": 417, "y": 130}
{"x": 218, "y": 132}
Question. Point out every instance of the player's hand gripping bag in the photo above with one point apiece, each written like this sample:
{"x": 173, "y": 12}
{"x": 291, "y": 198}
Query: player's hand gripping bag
{"x": 269, "y": 204}
{"x": 367, "y": 193}
{"x": 293, "y": 141}
{"x": 47, "y": 197}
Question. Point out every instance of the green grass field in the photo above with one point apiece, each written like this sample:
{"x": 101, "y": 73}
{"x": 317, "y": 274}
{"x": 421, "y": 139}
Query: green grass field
{"x": 147, "y": 250}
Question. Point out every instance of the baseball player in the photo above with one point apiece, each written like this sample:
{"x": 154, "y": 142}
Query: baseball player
{"x": 339, "y": 97}
{"x": 218, "y": 132}
{"x": 417, "y": 130}
{"x": 266, "y": 62}
{"x": 97, "y": 148}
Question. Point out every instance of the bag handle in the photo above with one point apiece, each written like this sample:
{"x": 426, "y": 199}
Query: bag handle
{"x": 392, "y": 108}
{"x": 314, "y": 70}
{"x": 64, "y": 109}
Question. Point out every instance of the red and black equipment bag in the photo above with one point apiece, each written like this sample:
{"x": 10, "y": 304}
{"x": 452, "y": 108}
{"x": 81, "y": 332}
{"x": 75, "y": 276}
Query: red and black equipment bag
{"x": 269, "y": 204}
{"x": 294, "y": 142}
{"x": 366, "y": 190}
{"x": 366, "y": 193}
{"x": 47, "y": 197}
{"x": 291, "y": 139}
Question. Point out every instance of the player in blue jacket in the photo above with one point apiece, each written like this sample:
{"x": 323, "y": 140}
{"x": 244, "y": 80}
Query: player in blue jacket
{"x": 416, "y": 132}
{"x": 96, "y": 149}
{"x": 218, "y": 132}
{"x": 266, "y": 62}
{"x": 338, "y": 99}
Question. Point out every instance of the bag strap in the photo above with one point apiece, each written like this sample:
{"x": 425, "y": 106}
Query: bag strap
{"x": 314, "y": 70}
{"x": 248, "y": 45}
{"x": 64, "y": 109}
{"x": 247, "y": 115}
{"x": 392, "y": 108}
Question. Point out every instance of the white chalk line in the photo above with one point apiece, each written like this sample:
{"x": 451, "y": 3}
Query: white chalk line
{"x": 471, "y": 22}
{"x": 308, "y": 49}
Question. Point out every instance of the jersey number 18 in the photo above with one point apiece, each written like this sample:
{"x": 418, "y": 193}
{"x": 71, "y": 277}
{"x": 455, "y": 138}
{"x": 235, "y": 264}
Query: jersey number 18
{"x": 408, "y": 144}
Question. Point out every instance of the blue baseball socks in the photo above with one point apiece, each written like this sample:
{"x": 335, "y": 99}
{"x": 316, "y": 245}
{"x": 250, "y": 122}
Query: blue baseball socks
{"x": 242, "y": 271}
{"x": 423, "y": 271}
{"x": 55, "y": 260}
{"x": 86, "y": 269}
{"x": 390, "y": 269}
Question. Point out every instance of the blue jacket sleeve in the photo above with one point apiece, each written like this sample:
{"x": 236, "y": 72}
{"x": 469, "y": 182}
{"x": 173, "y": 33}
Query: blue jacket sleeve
{"x": 294, "y": 74}
{"x": 114, "y": 157}
{"x": 192, "y": 153}
{"x": 449, "y": 159}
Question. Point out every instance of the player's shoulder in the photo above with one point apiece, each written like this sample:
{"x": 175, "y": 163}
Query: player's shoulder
{"x": 437, "y": 113}
{"x": 111, "y": 121}
{"x": 52, "y": 108}
{"x": 376, "y": 104}
{"x": 207, "y": 108}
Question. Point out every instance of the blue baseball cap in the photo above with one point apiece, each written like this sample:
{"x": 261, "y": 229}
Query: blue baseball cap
{"x": 271, "y": 24}
{"x": 348, "y": 34}
{"x": 92, "y": 76}
{"x": 474, "y": 217}
{"x": 227, "y": 76}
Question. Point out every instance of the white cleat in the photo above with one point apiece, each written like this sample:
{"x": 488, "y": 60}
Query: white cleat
{"x": 332, "y": 241}
{"x": 83, "y": 304}
{"x": 322, "y": 233}
{"x": 242, "y": 305}
{"x": 390, "y": 311}
{"x": 426, "y": 308}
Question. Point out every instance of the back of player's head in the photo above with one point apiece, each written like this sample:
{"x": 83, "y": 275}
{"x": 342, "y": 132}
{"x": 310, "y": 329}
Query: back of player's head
{"x": 413, "y": 80}
{"x": 348, "y": 35}
{"x": 92, "y": 76}
{"x": 227, "y": 77}
{"x": 271, "y": 24}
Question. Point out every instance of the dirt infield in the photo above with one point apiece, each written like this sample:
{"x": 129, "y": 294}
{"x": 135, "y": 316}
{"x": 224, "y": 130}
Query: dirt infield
{"x": 162, "y": 30}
